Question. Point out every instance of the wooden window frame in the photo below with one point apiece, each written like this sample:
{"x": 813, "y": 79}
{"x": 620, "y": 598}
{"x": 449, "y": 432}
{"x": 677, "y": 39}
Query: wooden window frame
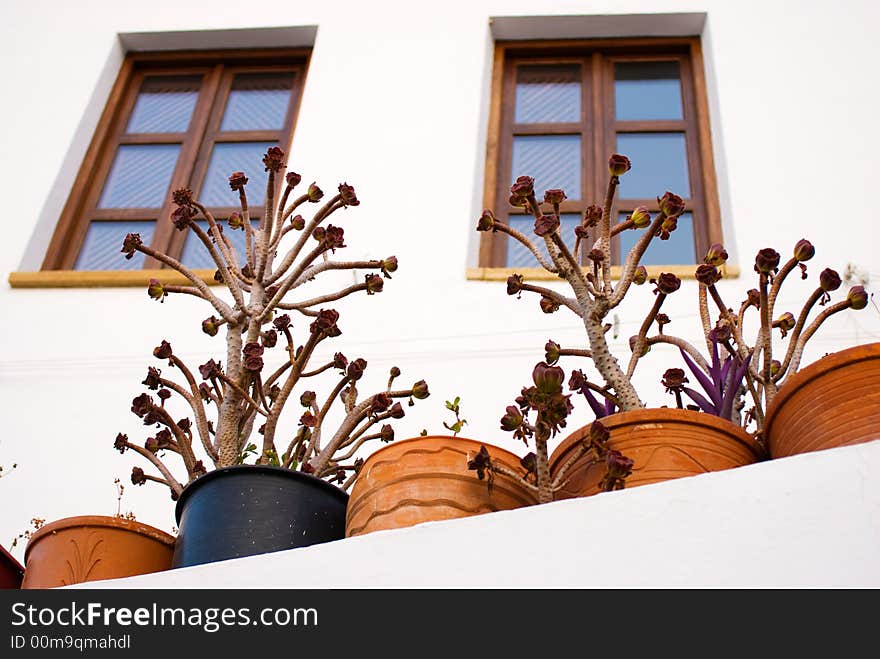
{"x": 218, "y": 68}
{"x": 598, "y": 128}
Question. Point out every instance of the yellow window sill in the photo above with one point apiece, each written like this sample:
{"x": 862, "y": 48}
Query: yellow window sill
{"x": 102, "y": 278}
{"x": 539, "y": 274}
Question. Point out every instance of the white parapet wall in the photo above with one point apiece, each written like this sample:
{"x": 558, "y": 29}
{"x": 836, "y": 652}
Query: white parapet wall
{"x": 808, "y": 521}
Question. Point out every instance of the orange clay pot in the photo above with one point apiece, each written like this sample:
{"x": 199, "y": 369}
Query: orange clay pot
{"x": 11, "y": 571}
{"x": 664, "y": 443}
{"x": 91, "y": 548}
{"x": 426, "y": 479}
{"x": 832, "y": 402}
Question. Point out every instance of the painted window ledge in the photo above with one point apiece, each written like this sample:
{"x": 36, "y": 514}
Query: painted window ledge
{"x": 806, "y": 521}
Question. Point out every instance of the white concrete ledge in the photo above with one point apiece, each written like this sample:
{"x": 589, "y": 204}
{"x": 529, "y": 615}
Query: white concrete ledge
{"x": 801, "y": 522}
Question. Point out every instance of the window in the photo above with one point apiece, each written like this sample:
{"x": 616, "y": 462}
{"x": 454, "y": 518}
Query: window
{"x": 559, "y": 109}
{"x": 175, "y": 120}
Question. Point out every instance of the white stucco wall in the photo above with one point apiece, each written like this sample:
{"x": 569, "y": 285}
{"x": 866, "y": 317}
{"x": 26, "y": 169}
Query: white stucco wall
{"x": 396, "y": 104}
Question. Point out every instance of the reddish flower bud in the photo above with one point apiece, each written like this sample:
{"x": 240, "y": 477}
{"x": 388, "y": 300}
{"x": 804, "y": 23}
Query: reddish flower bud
{"x": 162, "y": 351}
{"x": 785, "y": 322}
{"x": 674, "y": 379}
{"x": 274, "y": 159}
{"x": 666, "y": 283}
{"x": 767, "y": 261}
{"x": 356, "y": 368}
{"x": 141, "y": 405}
{"x": 640, "y": 276}
{"x": 671, "y": 204}
{"x": 596, "y": 255}
{"x": 151, "y": 444}
{"x": 237, "y": 180}
{"x": 523, "y": 187}
{"x": 857, "y": 297}
{"x": 386, "y": 434}
{"x": 121, "y": 443}
{"x": 340, "y": 361}
{"x": 486, "y": 221}
{"x": 269, "y": 338}
{"x": 546, "y": 224}
{"x": 152, "y": 379}
{"x": 599, "y": 434}
{"x": 293, "y": 179}
{"x": 325, "y": 322}
{"x": 618, "y": 165}
{"x": 210, "y": 326}
{"x": 592, "y": 215}
{"x": 315, "y": 193}
{"x": 554, "y": 196}
{"x": 775, "y": 365}
{"x": 420, "y": 390}
{"x": 182, "y": 197}
{"x": 308, "y": 420}
{"x": 209, "y": 369}
{"x": 397, "y": 411}
{"x": 156, "y": 291}
{"x": 137, "y": 476}
{"x": 514, "y": 284}
{"x": 753, "y": 298}
{"x": 282, "y": 322}
{"x": 374, "y": 283}
{"x": 829, "y": 280}
{"x": 548, "y": 378}
{"x": 512, "y": 419}
{"x": 298, "y": 222}
{"x": 804, "y": 250}
{"x": 130, "y": 244}
{"x": 182, "y": 217}
{"x": 707, "y": 274}
{"x": 235, "y": 221}
{"x": 349, "y": 198}
{"x": 716, "y": 255}
{"x": 164, "y": 395}
{"x": 641, "y": 217}
{"x": 548, "y": 305}
{"x": 619, "y": 466}
{"x": 252, "y": 349}
{"x": 389, "y": 265}
{"x": 551, "y": 352}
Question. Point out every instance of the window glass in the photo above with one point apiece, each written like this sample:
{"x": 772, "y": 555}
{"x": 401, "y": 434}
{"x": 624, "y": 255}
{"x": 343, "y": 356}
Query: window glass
{"x": 548, "y": 94}
{"x": 554, "y": 161}
{"x": 164, "y": 105}
{"x": 101, "y": 249}
{"x": 232, "y": 157}
{"x": 647, "y": 91}
{"x": 258, "y": 102}
{"x": 140, "y": 176}
{"x": 677, "y": 250}
{"x": 518, "y": 255}
{"x": 659, "y": 163}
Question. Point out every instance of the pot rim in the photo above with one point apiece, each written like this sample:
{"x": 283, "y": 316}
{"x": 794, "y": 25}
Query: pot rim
{"x": 660, "y": 414}
{"x": 815, "y": 370}
{"x": 102, "y": 521}
{"x": 250, "y": 468}
{"x": 476, "y": 442}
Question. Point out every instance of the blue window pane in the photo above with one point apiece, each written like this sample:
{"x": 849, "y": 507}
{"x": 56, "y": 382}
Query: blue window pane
{"x": 101, "y": 249}
{"x": 196, "y": 255}
{"x": 554, "y": 161}
{"x": 140, "y": 176}
{"x": 678, "y": 250}
{"x": 547, "y": 94}
{"x": 518, "y": 256}
{"x": 659, "y": 163}
{"x": 647, "y": 91}
{"x": 232, "y": 157}
{"x": 164, "y": 105}
{"x": 258, "y": 102}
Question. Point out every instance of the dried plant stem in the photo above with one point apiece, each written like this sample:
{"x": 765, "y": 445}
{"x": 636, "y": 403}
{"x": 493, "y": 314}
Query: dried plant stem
{"x": 632, "y": 262}
{"x": 826, "y": 313}
{"x": 289, "y": 258}
{"x": 641, "y": 337}
{"x": 528, "y": 244}
{"x": 796, "y": 332}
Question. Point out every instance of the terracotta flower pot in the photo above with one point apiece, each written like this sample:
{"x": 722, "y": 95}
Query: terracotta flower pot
{"x": 91, "y": 548}
{"x": 834, "y": 401}
{"x": 426, "y": 479}
{"x": 11, "y": 571}
{"x": 664, "y": 443}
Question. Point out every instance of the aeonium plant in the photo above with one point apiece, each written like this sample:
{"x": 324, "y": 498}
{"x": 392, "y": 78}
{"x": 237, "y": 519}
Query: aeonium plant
{"x": 595, "y": 295}
{"x": 751, "y": 370}
{"x": 550, "y": 407}
{"x": 236, "y": 406}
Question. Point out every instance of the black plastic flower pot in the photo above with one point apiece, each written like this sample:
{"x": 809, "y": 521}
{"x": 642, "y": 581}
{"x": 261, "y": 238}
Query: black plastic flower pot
{"x": 255, "y": 509}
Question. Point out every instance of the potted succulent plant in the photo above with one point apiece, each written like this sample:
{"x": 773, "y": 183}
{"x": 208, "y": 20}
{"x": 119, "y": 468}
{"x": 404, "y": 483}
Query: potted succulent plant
{"x": 662, "y": 442}
{"x": 426, "y": 479}
{"x": 270, "y": 488}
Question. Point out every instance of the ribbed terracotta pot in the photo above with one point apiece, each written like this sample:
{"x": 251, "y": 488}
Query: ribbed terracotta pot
{"x": 426, "y": 479}
{"x": 832, "y": 402}
{"x": 11, "y": 571}
{"x": 664, "y": 443}
{"x": 91, "y": 548}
